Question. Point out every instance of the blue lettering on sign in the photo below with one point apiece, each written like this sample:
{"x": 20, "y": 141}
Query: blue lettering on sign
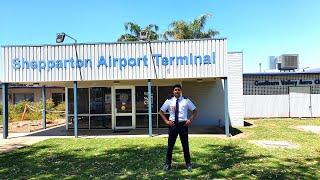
{"x": 117, "y": 62}
{"x": 123, "y": 63}
{"x": 157, "y": 56}
{"x": 42, "y": 65}
{"x": 16, "y": 64}
{"x": 164, "y": 61}
{"x": 25, "y": 64}
{"x": 102, "y": 61}
{"x": 59, "y": 64}
{"x": 132, "y": 62}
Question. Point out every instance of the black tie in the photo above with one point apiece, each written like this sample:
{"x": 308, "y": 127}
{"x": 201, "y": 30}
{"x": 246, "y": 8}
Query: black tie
{"x": 176, "y": 112}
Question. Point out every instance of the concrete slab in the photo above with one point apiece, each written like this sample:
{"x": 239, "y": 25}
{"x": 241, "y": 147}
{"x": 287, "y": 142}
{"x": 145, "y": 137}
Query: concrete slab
{"x": 310, "y": 128}
{"x": 275, "y": 144}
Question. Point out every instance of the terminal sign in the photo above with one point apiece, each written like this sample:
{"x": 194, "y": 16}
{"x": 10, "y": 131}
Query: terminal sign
{"x": 117, "y": 62}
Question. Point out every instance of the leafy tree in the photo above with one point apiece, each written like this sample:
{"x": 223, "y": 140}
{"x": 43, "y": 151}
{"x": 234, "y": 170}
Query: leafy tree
{"x": 190, "y": 30}
{"x": 135, "y": 31}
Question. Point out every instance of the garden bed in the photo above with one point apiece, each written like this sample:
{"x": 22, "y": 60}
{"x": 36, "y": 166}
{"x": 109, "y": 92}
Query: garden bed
{"x": 31, "y": 125}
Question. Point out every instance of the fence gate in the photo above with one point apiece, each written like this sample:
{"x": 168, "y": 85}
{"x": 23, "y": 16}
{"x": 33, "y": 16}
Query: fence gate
{"x": 300, "y": 102}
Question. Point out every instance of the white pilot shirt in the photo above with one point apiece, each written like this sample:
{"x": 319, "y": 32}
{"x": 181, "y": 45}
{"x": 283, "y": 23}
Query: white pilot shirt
{"x": 184, "y": 106}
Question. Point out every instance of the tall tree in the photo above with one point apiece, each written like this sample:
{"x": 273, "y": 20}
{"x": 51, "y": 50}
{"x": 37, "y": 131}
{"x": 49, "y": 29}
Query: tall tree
{"x": 135, "y": 31}
{"x": 190, "y": 30}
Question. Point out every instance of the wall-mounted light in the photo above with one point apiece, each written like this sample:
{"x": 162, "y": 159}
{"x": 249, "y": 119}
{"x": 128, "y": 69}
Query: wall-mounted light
{"x": 199, "y": 80}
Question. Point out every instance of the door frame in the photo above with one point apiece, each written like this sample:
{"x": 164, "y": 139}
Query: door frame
{"x": 115, "y": 114}
{"x": 309, "y": 101}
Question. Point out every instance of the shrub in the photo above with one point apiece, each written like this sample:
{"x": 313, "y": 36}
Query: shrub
{"x": 35, "y": 110}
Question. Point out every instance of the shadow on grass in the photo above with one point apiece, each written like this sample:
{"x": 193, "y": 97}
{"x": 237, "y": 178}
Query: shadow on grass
{"x": 61, "y": 131}
{"x": 144, "y": 161}
{"x": 233, "y": 131}
{"x": 246, "y": 124}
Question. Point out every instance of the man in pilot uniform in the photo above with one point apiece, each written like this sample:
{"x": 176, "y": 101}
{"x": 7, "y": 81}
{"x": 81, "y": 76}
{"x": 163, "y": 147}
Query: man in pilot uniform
{"x": 178, "y": 123}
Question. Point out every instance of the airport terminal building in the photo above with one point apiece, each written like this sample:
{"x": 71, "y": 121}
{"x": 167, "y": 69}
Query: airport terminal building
{"x": 123, "y": 85}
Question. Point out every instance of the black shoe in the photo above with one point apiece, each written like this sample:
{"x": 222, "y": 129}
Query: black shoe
{"x": 167, "y": 167}
{"x": 189, "y": 167}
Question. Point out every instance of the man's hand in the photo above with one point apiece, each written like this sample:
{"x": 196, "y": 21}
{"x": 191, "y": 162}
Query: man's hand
{"x": 188, "y": 122}
{"x": 169, "y": 123}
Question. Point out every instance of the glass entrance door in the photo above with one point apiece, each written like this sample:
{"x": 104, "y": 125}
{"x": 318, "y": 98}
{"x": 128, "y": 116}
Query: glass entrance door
{"x": 124, "y": 108}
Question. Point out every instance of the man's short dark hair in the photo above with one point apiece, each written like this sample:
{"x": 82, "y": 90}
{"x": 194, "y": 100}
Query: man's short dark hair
{"x": 176, "y": 86}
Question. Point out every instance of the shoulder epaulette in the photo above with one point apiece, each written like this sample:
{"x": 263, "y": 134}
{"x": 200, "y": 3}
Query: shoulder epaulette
{"x": 169, "y": 97}
{"x": 185, "y": 97}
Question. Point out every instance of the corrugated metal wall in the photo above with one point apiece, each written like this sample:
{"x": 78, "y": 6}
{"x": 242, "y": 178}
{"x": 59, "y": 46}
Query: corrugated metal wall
{"x": 257, "y": 106}
{"x": 315, "y": 104}
{"x": 235, "y": 89}
{"x": 115, "y": 50}
{"x": 266, "y": 106}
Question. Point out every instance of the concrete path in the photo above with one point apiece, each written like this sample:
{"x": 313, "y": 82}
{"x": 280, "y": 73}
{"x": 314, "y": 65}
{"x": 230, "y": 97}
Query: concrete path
{"x": 19, "y": 140}
{"x": 7, "y": 145}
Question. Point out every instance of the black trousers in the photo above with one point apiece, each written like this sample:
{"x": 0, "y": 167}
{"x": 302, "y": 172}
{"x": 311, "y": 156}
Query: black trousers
{"x": 182, "y": 131}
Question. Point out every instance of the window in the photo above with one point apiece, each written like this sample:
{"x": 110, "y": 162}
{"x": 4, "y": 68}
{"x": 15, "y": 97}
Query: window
{"x": 100, "y": 122}
{"x": 99, "y": 114}
{"x": 164, "y": 93}
{"x": 58, "y": 98}
{"x": 18, "y": 97}
{"x": 95, "y": 106}
{"x": 100, "y": 100}
{"x": 142, "y": 99}
{"x": 143, "y": 121}
{"x": 83, "y": 101}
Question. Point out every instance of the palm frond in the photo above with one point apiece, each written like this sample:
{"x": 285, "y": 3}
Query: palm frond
{"x": 133, "y": 28}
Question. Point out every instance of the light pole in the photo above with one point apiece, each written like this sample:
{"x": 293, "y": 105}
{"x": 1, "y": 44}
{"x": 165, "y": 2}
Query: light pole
{"x": 59, "y": 39}
{"x": 144, "y": 36}
{"x": 260, "y": 66}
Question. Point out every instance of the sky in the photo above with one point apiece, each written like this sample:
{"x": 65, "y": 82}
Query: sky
{"x": 258, "y": 28}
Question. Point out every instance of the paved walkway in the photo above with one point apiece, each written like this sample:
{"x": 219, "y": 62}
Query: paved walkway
{"x": 7, "y": 145}
{"x": 19, "y": 140}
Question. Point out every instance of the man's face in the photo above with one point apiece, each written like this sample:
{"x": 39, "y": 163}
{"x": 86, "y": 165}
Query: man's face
{"x": 177, "y": 92}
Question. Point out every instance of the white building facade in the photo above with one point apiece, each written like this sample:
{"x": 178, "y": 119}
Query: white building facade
{"x": 115, "y": 80}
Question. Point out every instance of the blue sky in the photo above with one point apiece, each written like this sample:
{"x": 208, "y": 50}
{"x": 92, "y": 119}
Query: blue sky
{"x": 259, "y": 28}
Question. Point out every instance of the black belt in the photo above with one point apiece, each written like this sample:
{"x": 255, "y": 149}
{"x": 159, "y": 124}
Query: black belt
{"x": 180, "y": 123}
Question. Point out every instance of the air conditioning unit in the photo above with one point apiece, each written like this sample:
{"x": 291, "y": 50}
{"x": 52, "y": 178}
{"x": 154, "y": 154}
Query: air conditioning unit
{"x": 272, "y": 62}
{"x": 288, "y": 62}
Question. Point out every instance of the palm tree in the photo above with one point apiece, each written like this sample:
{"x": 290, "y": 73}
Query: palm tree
{"x": 135, "y": 31}
{"x": 190, "y": 30}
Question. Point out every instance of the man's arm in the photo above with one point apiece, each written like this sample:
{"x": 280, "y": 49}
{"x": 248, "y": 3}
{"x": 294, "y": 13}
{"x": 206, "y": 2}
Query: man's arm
{"x": 164, "y": 118}
{"x": 192, "y": 117}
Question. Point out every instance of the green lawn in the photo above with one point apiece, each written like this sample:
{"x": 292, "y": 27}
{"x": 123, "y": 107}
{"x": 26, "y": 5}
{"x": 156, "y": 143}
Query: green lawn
{"x": 134, "y": 158}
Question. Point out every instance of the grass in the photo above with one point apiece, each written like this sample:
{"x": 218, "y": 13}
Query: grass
{"x": 143, "y": 158}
